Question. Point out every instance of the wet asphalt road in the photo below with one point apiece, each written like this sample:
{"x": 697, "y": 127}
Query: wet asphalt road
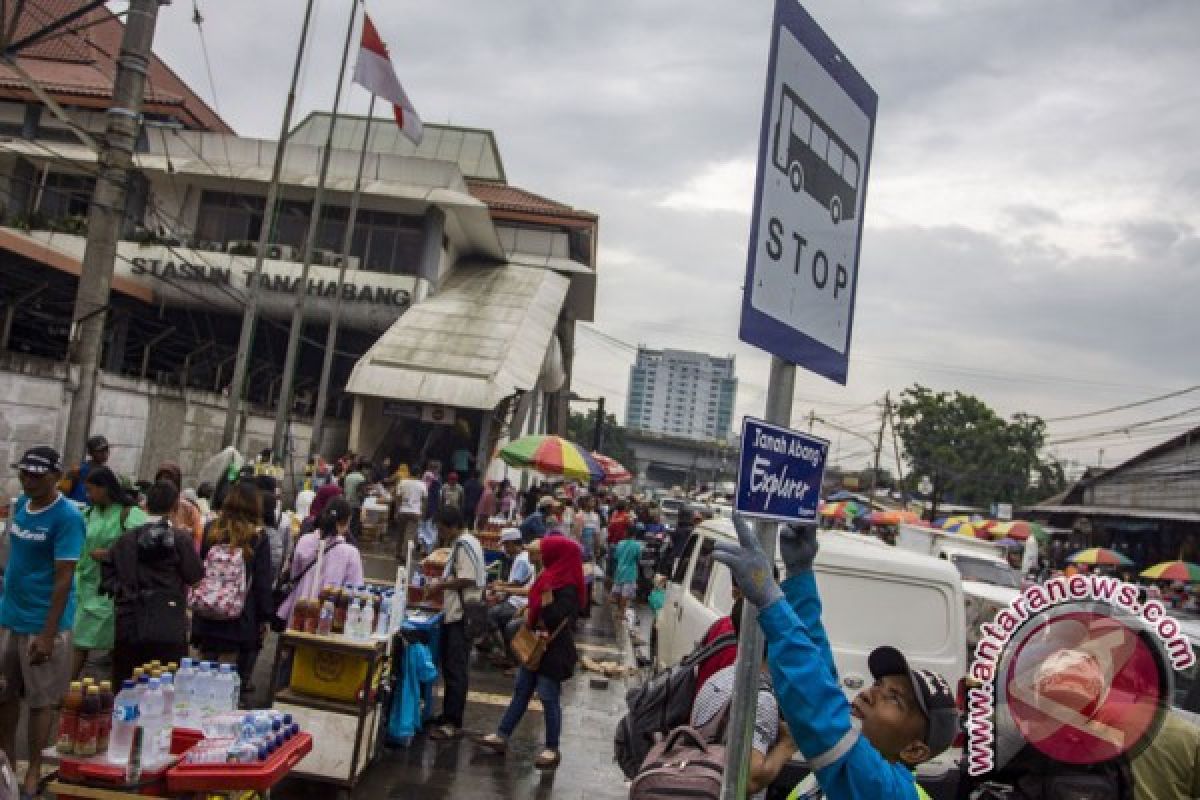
{"x": 459, "y": 769}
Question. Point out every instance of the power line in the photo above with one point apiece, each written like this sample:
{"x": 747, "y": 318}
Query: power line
{"x": 1125, "y": 428}
{"x": 1126, "y": 406}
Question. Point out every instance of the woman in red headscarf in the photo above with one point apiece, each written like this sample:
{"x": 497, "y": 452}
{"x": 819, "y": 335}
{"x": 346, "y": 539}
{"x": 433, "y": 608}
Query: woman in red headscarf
{"x": 554, "y": 600}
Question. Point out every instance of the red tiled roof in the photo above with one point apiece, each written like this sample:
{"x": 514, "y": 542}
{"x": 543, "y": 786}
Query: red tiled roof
{"x": 502, "y": 197}
{"x": 76, "y": 65}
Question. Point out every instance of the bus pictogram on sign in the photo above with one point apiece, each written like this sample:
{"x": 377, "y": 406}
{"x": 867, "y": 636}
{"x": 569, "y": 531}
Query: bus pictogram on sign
{"x": 814, "y": 158}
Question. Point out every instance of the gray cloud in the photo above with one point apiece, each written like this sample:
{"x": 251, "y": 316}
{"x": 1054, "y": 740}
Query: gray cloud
{"x": 1034, "y": 195}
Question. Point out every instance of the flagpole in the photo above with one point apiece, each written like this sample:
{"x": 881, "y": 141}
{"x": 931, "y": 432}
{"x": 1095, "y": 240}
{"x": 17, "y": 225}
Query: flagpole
{"x": 318, "y": 426}
{"x": 237, "y": 385}
{"x": 283, "y": 412}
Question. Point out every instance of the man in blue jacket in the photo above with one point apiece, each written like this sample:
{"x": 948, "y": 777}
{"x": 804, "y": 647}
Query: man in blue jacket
{"x": 907, "y": 717}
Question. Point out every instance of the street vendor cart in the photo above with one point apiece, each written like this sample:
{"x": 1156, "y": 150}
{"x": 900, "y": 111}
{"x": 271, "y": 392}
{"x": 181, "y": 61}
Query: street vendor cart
{"x": 333, "y": 692}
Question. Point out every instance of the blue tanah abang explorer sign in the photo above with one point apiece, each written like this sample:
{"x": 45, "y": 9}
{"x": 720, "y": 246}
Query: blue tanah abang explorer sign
{"x": 780, "y": 472}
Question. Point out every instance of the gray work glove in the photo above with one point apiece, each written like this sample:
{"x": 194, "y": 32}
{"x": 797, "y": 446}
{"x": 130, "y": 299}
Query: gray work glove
{"x": 752, "y": 570}
{"x": 798, "y": 547}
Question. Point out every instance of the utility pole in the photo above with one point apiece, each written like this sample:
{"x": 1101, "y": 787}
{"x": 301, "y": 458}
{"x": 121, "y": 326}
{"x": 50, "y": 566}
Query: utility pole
{"x": 878, "y": 447}
{"x": 598, "y": 431}
{"x": 237, "y": 385}
{"x": 781, "y": 389}
{"x": 105, "y": 216}
{"x": 284, "y": 408}
{"x": 887, "y": 400}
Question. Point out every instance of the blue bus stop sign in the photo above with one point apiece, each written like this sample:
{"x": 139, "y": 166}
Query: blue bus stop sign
{"x": 780, "y": 472}
{"x": 814, "y": 151}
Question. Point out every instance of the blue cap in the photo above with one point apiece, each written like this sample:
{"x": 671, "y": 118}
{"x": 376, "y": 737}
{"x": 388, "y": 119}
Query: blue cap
{"x": 126, "y": 684}
{"x": 143, "y": 679}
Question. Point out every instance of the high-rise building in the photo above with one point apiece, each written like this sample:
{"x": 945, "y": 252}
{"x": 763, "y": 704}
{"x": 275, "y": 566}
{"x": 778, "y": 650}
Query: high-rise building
{"x": 681, "y": 393}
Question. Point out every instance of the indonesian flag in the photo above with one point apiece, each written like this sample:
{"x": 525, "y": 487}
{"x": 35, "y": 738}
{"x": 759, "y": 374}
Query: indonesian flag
{"x": 375, "y": 74}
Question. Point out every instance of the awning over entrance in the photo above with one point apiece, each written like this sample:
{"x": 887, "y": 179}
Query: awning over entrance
{"x": 483, "y": 336}
{"x": 21, "y": 244}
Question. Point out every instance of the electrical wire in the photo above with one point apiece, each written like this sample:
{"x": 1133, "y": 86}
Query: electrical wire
{"x": 1126, "y": 406}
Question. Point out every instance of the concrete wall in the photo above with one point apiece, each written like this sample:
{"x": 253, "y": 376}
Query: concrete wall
{"x": 145, "y": 423}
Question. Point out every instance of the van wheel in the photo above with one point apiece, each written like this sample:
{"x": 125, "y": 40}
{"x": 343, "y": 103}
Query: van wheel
{"x": 796, "y": 176}
{"x": 835, "y": 210}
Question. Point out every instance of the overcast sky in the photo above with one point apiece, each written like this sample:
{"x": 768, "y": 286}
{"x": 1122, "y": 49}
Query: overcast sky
{"x": 1032, "y": 215}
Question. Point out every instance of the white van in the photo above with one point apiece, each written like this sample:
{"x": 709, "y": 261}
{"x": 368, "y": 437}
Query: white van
{"x": 873, "y": 594}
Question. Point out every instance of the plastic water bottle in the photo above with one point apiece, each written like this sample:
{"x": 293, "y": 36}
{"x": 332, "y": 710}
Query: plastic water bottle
{"x": 200, "y": 690}
{"x": 223, "y": 689}
{"x": 143, "y": 684}
{"x": 353, "y": 620}
{"x": 185, "y": 681}
{"x": 153, "y": 716}
{"x": 235, "y": 701}
{"x": 367, "y": 625}
{"x": 383, "y": 622}
{"x": 168, "y": 689}
{"x": 325, "y": 620}
{"x": 125, "y": 721}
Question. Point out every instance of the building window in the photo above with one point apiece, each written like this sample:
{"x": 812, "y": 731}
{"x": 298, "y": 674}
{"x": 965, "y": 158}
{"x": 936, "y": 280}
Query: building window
{"x": 65, "y": 195}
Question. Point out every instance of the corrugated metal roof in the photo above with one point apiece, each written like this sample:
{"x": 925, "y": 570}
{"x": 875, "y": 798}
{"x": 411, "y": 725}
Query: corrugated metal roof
{"x": 473, "y": 149}
{"x": 484, "y": 335}
{"x": 1115, "y": 511}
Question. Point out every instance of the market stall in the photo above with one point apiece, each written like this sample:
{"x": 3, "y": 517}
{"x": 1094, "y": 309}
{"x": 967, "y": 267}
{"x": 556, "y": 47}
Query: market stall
{"x": 157, "y": 737}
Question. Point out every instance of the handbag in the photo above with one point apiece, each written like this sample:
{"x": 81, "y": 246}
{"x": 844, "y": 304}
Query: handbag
{"x": 159, "y": 617}
{"x": 528, "y": 646}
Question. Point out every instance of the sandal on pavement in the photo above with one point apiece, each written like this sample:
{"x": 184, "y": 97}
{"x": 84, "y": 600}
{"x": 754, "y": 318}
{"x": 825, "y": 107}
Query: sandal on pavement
{"x": 547, "y": 759}
{"x": 493, "y": 742}
{"x": 445, "y": 732}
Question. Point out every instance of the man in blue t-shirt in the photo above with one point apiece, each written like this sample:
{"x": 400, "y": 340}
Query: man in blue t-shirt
{"x": 97, "y": 450}
{"x": 37, "y": 608}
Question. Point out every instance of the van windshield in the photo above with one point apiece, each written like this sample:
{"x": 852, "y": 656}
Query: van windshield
{"x": 984, "y": 571}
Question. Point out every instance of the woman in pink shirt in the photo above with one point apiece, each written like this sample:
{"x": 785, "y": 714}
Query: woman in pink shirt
{"x": 340, "y": 566}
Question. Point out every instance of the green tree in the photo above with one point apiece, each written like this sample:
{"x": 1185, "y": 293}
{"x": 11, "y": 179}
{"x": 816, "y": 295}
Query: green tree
{"x": 969, "y": 453}
{"x": 581, "y": 429}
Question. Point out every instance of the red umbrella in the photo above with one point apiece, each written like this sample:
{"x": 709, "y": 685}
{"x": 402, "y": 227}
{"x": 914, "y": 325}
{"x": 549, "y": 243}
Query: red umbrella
{"x": 613, "y": 471}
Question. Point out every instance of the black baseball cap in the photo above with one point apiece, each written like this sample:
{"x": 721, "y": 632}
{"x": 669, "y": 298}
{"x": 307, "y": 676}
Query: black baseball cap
{"x": 39, "y": 461}
{"x": 933, "y": 693}
{"x": 97, "y": 443}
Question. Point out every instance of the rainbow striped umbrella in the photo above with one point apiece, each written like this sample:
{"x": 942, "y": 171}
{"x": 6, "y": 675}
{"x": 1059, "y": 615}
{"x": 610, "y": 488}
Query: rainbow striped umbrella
{"x": 552, "y": 455}
{"x": 1102, "y": 556}
{"x": 1174, "y": 571}
{"x": 614, "y": 473}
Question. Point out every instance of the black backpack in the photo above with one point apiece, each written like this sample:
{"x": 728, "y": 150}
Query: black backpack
{"x": 1032, "y": 775}
{"x": 661, "y": 704}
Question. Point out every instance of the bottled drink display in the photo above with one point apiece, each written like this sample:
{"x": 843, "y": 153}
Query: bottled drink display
{"x": 105, "y": 722}
{"x": 87, "y": 728}
{"x": 68, "y": 720}
{"x": 185, "y": 681}
{"x": 125, "y": 722}
{"x": 152, "y": 713}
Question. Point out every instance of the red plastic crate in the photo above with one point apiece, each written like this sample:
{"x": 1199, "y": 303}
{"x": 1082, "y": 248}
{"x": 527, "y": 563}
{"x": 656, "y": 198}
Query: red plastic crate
{"x": 226, "y": 777}
{"x": 98, "y": 771}
{"x": 183, "y": 739}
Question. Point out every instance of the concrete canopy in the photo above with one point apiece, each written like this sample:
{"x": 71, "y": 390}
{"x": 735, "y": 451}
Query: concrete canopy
{"x": 482, "y": 337}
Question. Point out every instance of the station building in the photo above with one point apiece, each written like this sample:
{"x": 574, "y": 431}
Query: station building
{"x": 460, "y": 296}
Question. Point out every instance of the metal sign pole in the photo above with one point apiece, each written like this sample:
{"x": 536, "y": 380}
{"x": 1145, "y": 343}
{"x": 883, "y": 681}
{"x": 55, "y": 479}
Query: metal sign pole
{"x": 744, "y": 707}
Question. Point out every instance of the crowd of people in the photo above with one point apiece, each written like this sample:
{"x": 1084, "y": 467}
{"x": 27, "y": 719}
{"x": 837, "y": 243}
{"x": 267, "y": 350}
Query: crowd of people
{"x": 137, "y": 570}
